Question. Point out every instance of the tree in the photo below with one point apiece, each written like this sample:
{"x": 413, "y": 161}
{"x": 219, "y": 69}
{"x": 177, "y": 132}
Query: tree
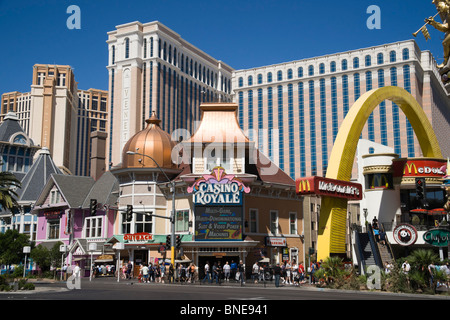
{"x": 8, "y": 195}
{"x": 41, "y": 256}
{"x": 11, "y": 247}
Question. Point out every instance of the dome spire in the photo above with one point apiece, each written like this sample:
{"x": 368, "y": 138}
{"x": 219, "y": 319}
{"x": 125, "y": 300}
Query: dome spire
{"x": 153, "y": 119}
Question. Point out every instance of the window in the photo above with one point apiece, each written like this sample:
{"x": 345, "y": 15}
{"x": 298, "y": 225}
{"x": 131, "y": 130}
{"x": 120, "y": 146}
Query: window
{"x": 380, "y": 58}
{"x": 289, "y": 74}
{"x": 311, "y": 71}
{"x": 260, "y": 78}
{"x": 53, "y": 229}
{"x": 280, "y": 75}
{"x": 269, "y": 77}
{"x": 293, "y": 223}
{"x": 143, "y": 223}
{"x": 355, "y": 63}
{"x": 182, "y": 221}
{"x": 55, "y": 197}
{"x": 274, "y": 222}
{"x": 241, "y": 82}
{"x": 368, "y": 61}
{"x": 333, "y": 66}
{"x": 127, "y": 48}
{"x": 93, "y": 227}
{"x": 405, "y": 54}
{"x": 253, "y": 223}
{"x": 250, "y": 80}
{"x": 344, "y": 65}
{"x": 322, "y": 68}
{"x": 392, "y": 56}
{"x": 300, "y": 72}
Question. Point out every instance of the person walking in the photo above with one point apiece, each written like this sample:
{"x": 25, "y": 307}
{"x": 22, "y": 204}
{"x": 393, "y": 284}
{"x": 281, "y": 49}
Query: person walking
{"x": 206, "y": 269}
{"x": 227, "y": 272}
{"x": 255, "y": 272}
{"x": 277, "y": 274}
{"x": 233, "y": 267}
{"x": 241, "y": 271}
{"x": 144, "y": 272}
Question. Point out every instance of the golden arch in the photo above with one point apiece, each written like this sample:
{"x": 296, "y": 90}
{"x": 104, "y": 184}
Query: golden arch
{"x": 333, "y": 214}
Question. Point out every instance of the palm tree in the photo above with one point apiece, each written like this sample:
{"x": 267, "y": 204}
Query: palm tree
{"x": 8, "y": 195}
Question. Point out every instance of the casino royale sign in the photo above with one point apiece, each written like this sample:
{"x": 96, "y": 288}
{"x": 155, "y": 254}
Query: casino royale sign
{"x": 218, "y": 188}
{"x": 218, "y": 193}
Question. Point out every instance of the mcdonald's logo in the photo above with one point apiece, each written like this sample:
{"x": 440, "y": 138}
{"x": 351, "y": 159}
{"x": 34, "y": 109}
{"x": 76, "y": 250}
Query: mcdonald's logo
{"x": 303, "y": 186}
{"x": 410, "y": 166}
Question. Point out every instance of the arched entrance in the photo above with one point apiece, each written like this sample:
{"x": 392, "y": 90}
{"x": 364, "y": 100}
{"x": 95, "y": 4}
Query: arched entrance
{"x": 333, "y": 213}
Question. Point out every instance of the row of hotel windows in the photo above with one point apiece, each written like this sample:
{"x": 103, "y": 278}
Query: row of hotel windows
{"x": 185, "y": 64}
{"x": 266, "y": 125}
{"x": 333, "y": 68}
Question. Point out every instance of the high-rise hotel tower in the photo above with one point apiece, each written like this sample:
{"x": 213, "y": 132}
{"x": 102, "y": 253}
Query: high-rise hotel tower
{"x": 151, "y": 68}
{"x": 293, "y": 110}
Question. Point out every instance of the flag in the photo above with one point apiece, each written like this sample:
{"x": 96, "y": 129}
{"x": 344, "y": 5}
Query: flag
{"x": 425, "y": 32}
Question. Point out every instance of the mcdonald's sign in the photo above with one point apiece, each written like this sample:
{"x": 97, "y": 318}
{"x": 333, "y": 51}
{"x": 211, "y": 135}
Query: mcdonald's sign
{"x": 419, "y": 167}
{"x": 329, "y": 187}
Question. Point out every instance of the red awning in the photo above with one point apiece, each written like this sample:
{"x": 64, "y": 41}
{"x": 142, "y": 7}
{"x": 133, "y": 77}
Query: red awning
{"x": 438, "y": 211}
{"x": 423, "y": 211}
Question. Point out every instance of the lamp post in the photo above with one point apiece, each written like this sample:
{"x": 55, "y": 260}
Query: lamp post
{"x": 172, "y": 217}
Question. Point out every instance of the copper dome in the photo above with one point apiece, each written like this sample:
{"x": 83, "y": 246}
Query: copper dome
{"x": 153, "y": 142}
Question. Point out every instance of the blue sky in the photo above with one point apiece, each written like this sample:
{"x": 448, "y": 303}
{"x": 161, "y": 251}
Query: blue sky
{"x": 243, "y": 34}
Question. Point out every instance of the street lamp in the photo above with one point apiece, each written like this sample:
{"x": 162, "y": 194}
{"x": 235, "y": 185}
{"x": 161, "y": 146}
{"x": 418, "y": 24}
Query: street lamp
{"x": 172, "y": 217}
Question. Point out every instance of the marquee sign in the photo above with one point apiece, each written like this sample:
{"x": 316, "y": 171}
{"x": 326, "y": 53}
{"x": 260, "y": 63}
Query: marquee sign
{"x": 218, "y": 199}
{"x": 405, "y": 235}
{"x": 329, "y": 187}
{"x": 419, "y": 167}
{"x": 218, "y": 188}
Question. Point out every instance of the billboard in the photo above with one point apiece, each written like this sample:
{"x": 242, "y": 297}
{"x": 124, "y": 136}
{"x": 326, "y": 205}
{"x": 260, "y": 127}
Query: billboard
{"x": 218, "y": 206}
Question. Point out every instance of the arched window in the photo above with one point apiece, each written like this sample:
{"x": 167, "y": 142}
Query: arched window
{"x": 145, "y": 48}
{"x": 322, "y": 68}
{"x": 311, "y": 70}
{"x": 269, "y": 77}
{"x": 355, "y": 63}
{"x": 300, "y": 72}
{"x": 380, "y": 58}
{"x": 260, "y": 78}
{"x": 241, "y": 82}
{"x": 333, "y": 66}
{"x": 127, "y": 48}
{"x": 405, "y": 54}
{"x": 289, "y": 74}
{"x": 392, "y": 56}
{"x": 280, "y": 75}
{"x": 344, "y": 65}
{"x": 368, "y": 61}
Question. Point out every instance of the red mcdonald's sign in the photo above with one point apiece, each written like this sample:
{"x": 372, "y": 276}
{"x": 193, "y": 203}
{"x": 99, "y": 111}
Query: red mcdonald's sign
{"x": 329, "y": 187}
{"x": 418, "y": 167}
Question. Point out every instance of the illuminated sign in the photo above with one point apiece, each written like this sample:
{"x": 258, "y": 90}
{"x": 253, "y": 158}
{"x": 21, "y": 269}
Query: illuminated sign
{"x": 218, "y": 223}
{"x": 422, "y": 167}
{"x": 218, "y": 188}
{"x": 329, "y": 187}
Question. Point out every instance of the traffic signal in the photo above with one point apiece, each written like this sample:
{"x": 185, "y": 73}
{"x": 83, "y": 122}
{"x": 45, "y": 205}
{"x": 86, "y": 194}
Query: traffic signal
{"x": 93, "y": 207}
{"x": 178, "y": 241}
{"x": 129, "y": 213}
{"x": 420, "y": 188}
{"x": 168, "y": 242}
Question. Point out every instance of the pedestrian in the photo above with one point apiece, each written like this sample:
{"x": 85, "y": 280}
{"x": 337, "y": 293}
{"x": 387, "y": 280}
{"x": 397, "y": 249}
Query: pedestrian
{"x": 301, "y": 273}
{"x": 129, "y": 269}
{"x": 76, "y": 271}
{"x": 206, "y": 269}
{"x": 163, "y": 272}
{"x": 215, "y": 272}
{"x": 277, "y": 274}
{"x": 294, "y": 270}
{"x": 171, "y": 273}
{"x": 219, "y": 272}
{"x": 382, "y": 238}
{"x": 255, "y": 272}
{"x": 288, "y": 272}
{"x": 157, "y": 273}
{"x": 227, "y": 272}
{"x": 233, "y": 267}
{"x": 151, "y": 273}
{"x": 241, "y": 271}
{"x": 144, "y": 272}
